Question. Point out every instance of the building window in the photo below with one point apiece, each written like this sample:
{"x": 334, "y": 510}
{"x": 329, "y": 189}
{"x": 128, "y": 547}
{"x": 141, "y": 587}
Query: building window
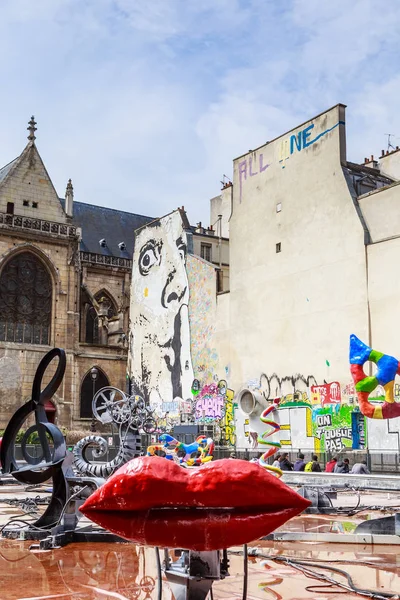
{"x": 25, "y": 202}
{"x": 220, "y": 280}
{"x": 25, "y": 301}
{"x": 10, "y": 208}
{"x": 89, "y": 388}
{"x": 92, "y": 335}
{"x": 279, "y": 207}
{"x": 278, "y": 247}
{"x": 205, "y": 252}
{"x": 35, "y": 204}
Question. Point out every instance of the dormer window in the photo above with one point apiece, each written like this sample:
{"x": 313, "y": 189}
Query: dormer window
{"x": 103, "y": 243}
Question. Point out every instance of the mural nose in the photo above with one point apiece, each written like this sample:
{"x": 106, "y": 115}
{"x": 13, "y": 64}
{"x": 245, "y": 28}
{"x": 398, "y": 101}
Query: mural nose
{"x": 174, "y": 291}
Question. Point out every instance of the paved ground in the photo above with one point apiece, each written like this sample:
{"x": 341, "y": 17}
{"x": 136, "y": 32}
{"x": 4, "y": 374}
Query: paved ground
{"x": 128, "y": 572}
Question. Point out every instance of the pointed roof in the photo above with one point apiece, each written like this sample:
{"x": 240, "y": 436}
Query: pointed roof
{"x": 11, "y": 166}
{"x": 4, "y": 171}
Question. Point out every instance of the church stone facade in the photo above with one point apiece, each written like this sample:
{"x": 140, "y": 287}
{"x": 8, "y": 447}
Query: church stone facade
{"x": 64, "y": 281}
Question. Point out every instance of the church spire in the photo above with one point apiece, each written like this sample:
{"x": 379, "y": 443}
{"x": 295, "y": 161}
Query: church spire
{"x": 69, "y": 199}
{"x": 31, "y": 128}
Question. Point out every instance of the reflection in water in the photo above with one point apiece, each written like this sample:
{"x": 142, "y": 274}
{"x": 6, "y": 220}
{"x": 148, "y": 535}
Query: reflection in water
{"x": 78, "y": 571}
{"x": 129, "y": 572}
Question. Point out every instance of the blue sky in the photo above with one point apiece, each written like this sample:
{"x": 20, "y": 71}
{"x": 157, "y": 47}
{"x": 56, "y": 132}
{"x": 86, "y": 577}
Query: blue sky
{"x": 144, "y": 103}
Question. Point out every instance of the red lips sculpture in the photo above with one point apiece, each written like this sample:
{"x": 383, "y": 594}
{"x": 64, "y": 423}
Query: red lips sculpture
{"x": 155, "y": 502}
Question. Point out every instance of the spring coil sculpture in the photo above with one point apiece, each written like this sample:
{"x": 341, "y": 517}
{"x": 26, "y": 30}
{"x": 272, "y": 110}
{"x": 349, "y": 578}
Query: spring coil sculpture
{"x": 274, "y": 428}
{"x": 130, "y": 447}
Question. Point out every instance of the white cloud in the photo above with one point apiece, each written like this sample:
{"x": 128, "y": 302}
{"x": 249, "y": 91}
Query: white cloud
{"x": 145, "y": 104}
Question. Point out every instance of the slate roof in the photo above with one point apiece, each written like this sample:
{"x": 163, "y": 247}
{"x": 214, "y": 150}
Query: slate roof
{"x": 4, "y": 171}
{"x": 115, "y": 226}
{"x": 364, "y": 179}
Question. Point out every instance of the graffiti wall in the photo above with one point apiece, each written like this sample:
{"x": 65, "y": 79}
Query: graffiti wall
{"x": 173, "y": 363}
{"x": 316, "y": 417}
{"x": 160, "y": 362}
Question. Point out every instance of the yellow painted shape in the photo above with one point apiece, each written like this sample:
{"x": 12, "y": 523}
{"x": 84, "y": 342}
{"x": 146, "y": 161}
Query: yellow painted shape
{"x": 285, "y": 427}
{"x": 308, "y": 422}
{"x": 229, "y": 394}
{"x": 146, "y": 292}
{"x": 286, "y": 442}
{"x": 377, "y": 413}
{"x": 317, "y": 445}
{"x": 389, "y": 391}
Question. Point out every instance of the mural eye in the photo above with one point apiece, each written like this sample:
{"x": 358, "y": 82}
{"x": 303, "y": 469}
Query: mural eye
{"x": 149, "y": 256}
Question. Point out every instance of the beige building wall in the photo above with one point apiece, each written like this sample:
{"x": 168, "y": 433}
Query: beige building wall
{"x": 389, "y": 164}
{"x": 222, "y": 205}
{"x": 293, "y": 310}
{"x": 381, "y": 212}
{"x": 219, "y": 253}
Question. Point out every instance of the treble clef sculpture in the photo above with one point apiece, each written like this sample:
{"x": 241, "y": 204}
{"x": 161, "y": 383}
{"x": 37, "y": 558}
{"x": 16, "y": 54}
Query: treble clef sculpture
{"x": 49, "y": 464}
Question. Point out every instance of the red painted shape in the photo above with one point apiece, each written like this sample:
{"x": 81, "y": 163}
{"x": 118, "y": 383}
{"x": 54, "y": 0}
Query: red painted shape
{"x": 328, "y": 392}
{"x": 390, "y": 410}
{"x": 358, "y": 372}
{"x": 223, "y": 503}
{"x": 366, "y": 407}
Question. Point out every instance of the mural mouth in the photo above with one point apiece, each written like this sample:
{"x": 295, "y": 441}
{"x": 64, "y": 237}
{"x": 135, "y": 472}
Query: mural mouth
{"x": 155, "y": 502}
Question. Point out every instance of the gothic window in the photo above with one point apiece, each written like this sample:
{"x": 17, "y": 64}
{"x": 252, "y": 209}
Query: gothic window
{"x": 92, "y": 320}
{"x": 25, "y": 301}
{"x": 92, "y": 325}
{"x": 89, "y": 388}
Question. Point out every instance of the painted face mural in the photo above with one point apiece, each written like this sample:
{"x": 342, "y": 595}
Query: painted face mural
{"x": 160, "y": 362}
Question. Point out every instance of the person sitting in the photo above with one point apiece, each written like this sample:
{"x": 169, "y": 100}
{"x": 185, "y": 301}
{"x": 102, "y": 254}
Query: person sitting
{"x": 300, "y": 463}
{"x": 284, "y": 463}
{"x": 360, "y": 468}
{"x": 342, "y": 466}
{"x": 330, "y": 465}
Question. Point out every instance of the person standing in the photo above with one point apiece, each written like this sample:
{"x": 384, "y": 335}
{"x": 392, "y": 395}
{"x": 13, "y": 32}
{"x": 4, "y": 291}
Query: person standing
{"x": 300, "y": 463}
{"x": 276, "y": 462}
{"x": 330, "y": 465}
{"x": 315, "y": 467}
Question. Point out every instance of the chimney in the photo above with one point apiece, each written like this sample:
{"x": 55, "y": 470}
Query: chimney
{"x": 69, "y": 199}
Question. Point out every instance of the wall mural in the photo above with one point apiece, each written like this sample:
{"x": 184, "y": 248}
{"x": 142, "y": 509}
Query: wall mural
{"x": 160, "y": 361}
{"x": 324, "y": 412}
{"x": 172, "y": 362}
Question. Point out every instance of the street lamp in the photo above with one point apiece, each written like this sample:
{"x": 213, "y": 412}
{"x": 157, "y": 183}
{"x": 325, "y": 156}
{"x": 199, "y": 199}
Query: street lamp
{"x": 94, "y": 374}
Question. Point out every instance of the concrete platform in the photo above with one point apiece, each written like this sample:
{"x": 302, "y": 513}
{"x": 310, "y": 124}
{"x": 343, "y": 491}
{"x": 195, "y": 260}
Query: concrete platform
{"x": 377, "y": 482}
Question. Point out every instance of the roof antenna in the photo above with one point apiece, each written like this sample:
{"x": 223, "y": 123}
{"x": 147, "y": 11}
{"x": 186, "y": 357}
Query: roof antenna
{"x": 389, "y": 144}
{"x": 32, "y": 129}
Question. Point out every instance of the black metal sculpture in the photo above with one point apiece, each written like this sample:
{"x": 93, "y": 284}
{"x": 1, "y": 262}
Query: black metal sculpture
{"x": 49, "y": 464}
{"x": 129, "y": 414}
{"x": 58, "y": 522}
